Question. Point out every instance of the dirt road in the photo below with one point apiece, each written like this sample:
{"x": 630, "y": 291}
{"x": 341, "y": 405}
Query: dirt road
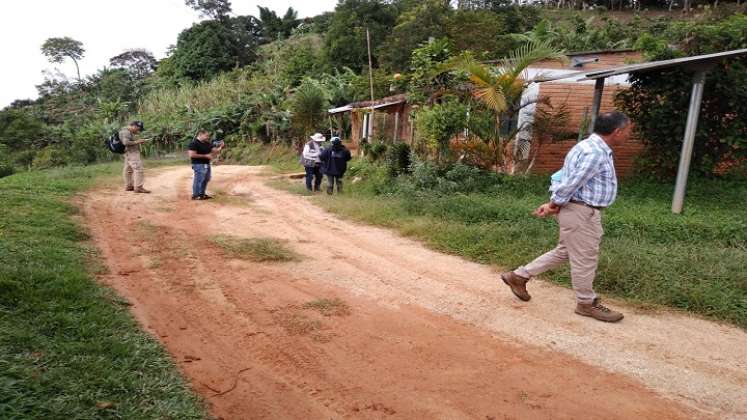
{"x": 427, "y": 335}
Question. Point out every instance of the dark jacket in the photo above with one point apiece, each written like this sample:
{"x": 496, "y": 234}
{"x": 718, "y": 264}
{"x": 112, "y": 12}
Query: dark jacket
{"x": 335, "y": 160}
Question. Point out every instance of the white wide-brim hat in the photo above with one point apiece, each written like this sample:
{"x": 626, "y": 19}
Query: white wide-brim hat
{"x": 318, "y": 137}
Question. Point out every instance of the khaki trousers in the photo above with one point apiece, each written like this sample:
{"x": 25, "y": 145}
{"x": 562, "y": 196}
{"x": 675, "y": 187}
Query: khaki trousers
{"x": 580, "y": 235}
{"x": 133, "y": 169}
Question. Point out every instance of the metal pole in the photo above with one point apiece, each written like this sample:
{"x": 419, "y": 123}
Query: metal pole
{"x": 370, "y": 63}
{"x": 596, "y": 103}
{"x": 396, "y": 126}
{"x": 693, "y": 113}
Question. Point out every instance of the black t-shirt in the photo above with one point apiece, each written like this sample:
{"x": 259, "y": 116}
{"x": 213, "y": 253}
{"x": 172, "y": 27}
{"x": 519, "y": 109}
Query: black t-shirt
{"x": 201, "y": 148}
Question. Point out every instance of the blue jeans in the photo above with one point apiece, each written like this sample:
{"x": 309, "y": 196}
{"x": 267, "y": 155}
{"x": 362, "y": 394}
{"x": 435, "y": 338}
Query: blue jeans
{"x": 313, "y": 173}
{"x": 202, "y": 177}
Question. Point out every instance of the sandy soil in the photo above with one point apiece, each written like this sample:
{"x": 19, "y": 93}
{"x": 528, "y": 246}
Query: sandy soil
{"x": 427, "y": 335}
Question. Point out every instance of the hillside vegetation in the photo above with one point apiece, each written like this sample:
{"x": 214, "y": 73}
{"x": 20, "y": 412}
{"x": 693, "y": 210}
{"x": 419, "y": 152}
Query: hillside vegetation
{"x": 271, "y": 78}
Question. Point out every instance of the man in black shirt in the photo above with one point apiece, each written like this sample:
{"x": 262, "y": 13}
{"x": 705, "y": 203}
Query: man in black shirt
{"x": 201, "y": 152}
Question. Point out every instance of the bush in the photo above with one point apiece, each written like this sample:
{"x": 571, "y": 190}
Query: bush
{"x": 6, "y": 168}
{"x": 24, "y": 158}
{"x": 50, "y": 157}
{"x": 373, "y": 151}
{"x": 437, "y": 124}
{"x": 657, "y": 101}
{"x": 397, "y": 159}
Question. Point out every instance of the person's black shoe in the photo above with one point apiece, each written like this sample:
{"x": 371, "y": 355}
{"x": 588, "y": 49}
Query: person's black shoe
{"x": 197, "y": 197}
{"x": 206, "y": 197}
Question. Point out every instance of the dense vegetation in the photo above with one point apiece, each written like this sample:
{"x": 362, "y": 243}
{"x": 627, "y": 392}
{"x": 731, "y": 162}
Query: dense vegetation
{"x": 271, "y": 77}
{"x": 68, "y": 346}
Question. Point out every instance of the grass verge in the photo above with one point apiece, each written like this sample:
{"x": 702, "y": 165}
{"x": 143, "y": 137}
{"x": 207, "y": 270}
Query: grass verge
{"x": 256, "y": 249}
{"x": 68, "y": 346}
{"x": 695, "y": 262}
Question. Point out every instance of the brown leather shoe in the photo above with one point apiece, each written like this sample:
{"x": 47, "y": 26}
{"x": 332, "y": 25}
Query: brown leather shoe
{"x": 129, "y": 188}
{"x": 597, "y": 311}
{"x": 142, "y": 190}
{"x": 517, "y": 284}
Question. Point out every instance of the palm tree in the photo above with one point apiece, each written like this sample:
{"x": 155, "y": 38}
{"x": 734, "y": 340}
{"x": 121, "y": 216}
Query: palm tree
{"x": 500, "y": 88}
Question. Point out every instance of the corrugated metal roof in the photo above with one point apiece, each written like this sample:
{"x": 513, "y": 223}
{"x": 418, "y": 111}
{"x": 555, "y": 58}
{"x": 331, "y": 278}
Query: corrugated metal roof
{"x": 376, "y": 104}
{"x": 663, "y": 64}
{"x": 643, "y": 67}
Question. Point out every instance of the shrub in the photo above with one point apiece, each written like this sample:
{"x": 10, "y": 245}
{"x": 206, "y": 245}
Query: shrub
{"x": 50, "y": 157}
{"x": 657, "y": 101}
{"x": 437, "y": 124}
{"x": 6, "y": 168}
{"x": 374, "y": 151}
{"x": 24, "y": 158}
{"x": 397, "y": 159}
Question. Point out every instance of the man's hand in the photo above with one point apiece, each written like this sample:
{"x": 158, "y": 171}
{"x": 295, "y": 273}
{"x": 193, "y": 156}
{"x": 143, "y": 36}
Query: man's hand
{"x": 547, "y": 209}
{"x": 141, "y": 141}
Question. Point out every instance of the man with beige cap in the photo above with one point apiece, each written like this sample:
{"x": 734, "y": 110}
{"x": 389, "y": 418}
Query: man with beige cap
{"x": 133, "y": 165}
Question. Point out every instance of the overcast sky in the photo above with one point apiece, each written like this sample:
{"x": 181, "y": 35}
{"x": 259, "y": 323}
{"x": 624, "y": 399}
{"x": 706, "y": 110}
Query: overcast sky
{"x": 105, "y": 27}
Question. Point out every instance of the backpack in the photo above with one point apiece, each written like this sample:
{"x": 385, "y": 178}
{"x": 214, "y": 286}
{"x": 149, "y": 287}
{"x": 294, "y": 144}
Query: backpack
{"x": 114, "y": 144}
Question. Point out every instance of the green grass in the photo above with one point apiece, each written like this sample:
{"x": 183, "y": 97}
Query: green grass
{"x": 695, "y": 262}
{"x": 68, "y": 346}
{"x": 256, "y": 249}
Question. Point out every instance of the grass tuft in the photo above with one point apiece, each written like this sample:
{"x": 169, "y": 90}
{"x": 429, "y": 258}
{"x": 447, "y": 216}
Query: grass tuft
{"x": 329, "y": 307}
{"x": 256, "y": 249}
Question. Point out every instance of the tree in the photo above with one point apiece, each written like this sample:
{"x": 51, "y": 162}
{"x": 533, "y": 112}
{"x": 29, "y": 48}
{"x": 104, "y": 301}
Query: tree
{"x": 657, "y": 101}
{"x": 346, "y": 38}
{"x": 308, "y": 104}
{"x": 415, "y": 26}
{"x": 57, "y": 49}
{"x": 274, "y": 27}
{"x": 211, "y": 47}
{"x": 214, "y": 9}
{"x": 139, "y": 62}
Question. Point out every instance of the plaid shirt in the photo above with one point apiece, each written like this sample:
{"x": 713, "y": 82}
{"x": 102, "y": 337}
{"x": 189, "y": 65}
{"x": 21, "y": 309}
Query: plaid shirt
{"x": 588, "y": 175}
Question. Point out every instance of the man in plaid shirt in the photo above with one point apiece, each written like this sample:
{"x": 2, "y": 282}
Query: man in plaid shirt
{"x": 588, "y": 185}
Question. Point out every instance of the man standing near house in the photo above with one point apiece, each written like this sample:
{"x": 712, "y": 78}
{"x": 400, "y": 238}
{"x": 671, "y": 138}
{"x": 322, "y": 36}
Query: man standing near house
{"x": 311, "y": 162}
{"x": 201, "y": 151}
{"x": 133, "y": 164}
{"x": 587, "y": 186}
{"x": 334, "y": 164}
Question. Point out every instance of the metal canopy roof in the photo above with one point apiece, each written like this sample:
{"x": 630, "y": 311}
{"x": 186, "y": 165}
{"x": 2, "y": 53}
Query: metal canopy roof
{"x": 371, "y": 105}
{"x": 699, "y": 64}
{"x": 695, "y": 61}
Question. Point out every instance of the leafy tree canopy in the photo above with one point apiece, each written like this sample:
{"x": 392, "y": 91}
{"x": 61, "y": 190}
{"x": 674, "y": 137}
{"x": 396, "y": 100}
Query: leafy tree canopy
{"x": 57, "y": 49}
{"x": 211, "y": 47}
{"x": 214, "y": 9}
{"x": 137, "y": 61}
{"x": 416, "y": 25}
{"x": 275, "y": 27}
{"x": 346, "y": 38}
{"x": 656, "y": 101}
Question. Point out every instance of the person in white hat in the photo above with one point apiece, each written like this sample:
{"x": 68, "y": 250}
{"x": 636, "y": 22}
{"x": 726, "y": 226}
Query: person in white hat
{"x": 311, "y": 162}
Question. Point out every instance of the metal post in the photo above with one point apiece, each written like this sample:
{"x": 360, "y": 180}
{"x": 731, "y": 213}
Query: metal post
{"x": 396, "y": 126}
{"x": 596, "y": 104}
{"x": 688, "y": 142}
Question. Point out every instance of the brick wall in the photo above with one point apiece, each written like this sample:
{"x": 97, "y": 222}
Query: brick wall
{"x": 577, "y": 99}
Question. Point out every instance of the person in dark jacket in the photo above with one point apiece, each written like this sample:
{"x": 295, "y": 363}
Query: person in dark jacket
{"x": 334, "y": 164}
